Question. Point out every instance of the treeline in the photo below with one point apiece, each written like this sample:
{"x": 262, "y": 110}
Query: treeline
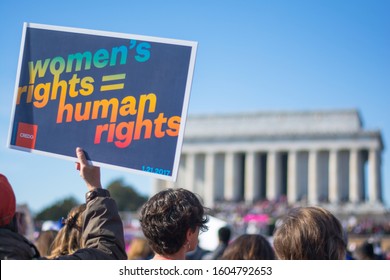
{"x": 125, "y": 196}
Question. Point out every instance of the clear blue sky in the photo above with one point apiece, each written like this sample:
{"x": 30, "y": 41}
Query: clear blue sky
{"x": 252, "y": 55}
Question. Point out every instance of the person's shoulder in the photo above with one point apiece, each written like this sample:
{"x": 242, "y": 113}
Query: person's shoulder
{"x": 7, "y": 234}
{"x": 15, "y": 246}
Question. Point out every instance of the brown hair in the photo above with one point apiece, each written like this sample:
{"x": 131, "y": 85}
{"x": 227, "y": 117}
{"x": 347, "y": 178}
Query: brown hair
{"x": 309, "y": 233}
{"x": 68, "y": 239}
{"x": 44, "y": 242}
{"x": 249, "y": 247}
{"x": 167, "y": 216}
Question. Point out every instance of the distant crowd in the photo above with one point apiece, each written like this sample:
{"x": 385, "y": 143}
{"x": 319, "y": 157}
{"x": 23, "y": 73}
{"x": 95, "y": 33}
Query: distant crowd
{"x": 242, "y": 217}
{"x": 171, "y": 222}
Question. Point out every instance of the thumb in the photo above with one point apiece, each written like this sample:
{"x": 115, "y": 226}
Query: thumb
{"x": 81, "y": 156}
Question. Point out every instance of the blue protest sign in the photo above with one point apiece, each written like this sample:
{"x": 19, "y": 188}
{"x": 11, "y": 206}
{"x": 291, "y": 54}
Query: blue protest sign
{"x": 123, "y": 98}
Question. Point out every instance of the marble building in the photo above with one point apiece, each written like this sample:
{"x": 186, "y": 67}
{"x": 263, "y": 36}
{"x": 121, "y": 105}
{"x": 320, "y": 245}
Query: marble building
{"x": 321, "y": 157}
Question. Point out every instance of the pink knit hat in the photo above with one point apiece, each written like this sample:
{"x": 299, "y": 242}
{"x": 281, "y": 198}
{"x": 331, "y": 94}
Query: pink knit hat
{"x": 7, "y": 201}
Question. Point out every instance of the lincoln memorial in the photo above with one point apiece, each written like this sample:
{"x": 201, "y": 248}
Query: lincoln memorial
{"x": 320, "y": 157}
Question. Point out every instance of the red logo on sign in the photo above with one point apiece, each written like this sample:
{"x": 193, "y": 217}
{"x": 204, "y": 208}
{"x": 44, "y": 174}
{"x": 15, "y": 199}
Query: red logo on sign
{"x": 26, "y": 135}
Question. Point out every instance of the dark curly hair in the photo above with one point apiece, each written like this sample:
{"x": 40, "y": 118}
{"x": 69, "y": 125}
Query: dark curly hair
{"x": 167, "y": 216}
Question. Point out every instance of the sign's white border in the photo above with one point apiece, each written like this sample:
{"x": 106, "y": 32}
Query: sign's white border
{"x": 191, "y": 44}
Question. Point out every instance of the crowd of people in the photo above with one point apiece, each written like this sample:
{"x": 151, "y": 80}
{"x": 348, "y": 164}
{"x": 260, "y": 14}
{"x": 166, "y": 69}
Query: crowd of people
{"x": 236, "y": 213}
{"x": 101, "y": 231}
{"x": 171, "y": 222}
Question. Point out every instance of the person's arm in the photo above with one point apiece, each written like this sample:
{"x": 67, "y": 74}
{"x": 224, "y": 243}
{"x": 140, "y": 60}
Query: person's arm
{"x": 102, "y": 236}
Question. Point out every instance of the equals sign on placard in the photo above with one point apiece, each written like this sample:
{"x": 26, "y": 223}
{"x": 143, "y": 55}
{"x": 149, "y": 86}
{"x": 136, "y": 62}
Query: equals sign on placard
{"x": 116, "y": 82}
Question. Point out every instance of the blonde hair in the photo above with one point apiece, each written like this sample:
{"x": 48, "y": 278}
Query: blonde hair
{"x": 68, "y": 239}
{"x": 139, "y": 249}
{"x": 309, "y": 233}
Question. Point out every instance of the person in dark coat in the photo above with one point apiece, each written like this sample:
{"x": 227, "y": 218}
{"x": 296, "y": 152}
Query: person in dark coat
{"x": 102, "y": 230}
{"x": 224, "y": 234}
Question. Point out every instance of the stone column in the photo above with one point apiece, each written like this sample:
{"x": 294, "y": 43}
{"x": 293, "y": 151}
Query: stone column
{"x": 292, "y": 179}
{"x": 181, "y": 175}
{"x": 323, "y": 176}
{"x": 374, "y": 162}
{"x": 209, "y": 187}
{"x": 231, "y": 177}
{"x": 355, "y": 176}
{"x": 252, "y": 177}
{"x": 273, "y": 175}
{"x": 199, "y": 177}
{"x": 334, "y": 181}
{"x": 313, "y": 186}
{"x": 190, "y": 172}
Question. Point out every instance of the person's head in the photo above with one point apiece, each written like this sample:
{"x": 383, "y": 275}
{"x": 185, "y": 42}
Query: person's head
{"x": 172, "y": 219}
{"x": 139, "y": 249}
{"x": 365, "y": 251}
{"x": 249, "y": 247}
{"x": 7, "y": 202}
{"x": 21, "y": 221}
{"x": 224, "y": 235}
{"x": 68, "y": 239}
{"x": 44, "y": 242}
{"x": 309, "y": 233}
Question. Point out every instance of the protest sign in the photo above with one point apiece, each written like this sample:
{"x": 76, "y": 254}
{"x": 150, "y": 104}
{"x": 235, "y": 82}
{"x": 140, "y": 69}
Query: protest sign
{"x": 123, "y": 98}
